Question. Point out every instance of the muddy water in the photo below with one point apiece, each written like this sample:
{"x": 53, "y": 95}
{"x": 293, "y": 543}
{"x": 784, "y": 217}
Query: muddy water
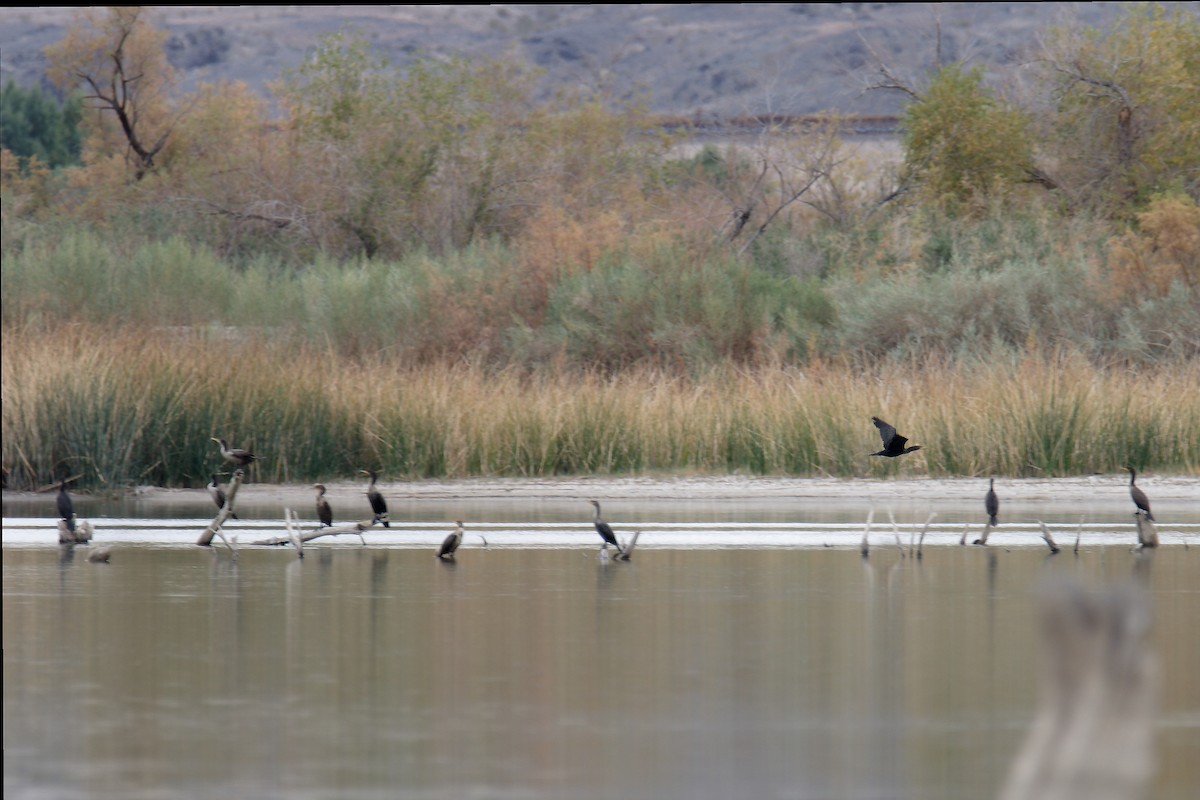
{"x": 542, "y": 672}
{"x": 748, "y": 650}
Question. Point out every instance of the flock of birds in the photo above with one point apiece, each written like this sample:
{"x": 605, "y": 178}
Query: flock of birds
{"x": 893, "y": 445}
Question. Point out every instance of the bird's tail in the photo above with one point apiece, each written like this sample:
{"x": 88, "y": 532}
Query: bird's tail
{"x": 992, "y": 520}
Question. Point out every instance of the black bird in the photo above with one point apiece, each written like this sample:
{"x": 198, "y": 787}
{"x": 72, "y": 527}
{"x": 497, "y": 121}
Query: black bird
{"x": 235, "y": 455}
{"x": 893, "y": 443}
{"x": 324, "y": 512}
{"x": 378, "y": 504}
{"x": 218, "y": 494}
{"x": 451, "y": 542}
{"x": 603, "y": 528}
{"x": 1139, "y": 497}
{"x": 66, "y": 509}
{"x": 991, "y": 502}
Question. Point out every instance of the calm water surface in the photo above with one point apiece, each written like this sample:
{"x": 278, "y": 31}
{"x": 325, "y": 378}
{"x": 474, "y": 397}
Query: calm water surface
{"x": 691, "y": 672}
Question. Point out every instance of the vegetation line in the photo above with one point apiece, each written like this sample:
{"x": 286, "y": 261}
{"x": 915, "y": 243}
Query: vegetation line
{"x": 140, "y": 407}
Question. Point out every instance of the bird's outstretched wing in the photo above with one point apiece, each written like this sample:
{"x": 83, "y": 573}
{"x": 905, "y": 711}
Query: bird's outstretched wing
{"x": 887, "y": 433}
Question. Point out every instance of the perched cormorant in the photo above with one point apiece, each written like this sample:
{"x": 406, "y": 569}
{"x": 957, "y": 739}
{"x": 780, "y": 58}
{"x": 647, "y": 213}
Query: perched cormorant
{"x": 603, "y": 528}
{"x": 991, "y": 502}
{"x": 218, "y": 494}
{"x": 324, "y": 512}
{"x": 893, "y": 443}
{"x": 235, "y": 455}
{"x": 66, "y": 509}
{"x": 378, "y": 504}
{"x": 1139, "y": 497}
{"x": 451, "y": 542}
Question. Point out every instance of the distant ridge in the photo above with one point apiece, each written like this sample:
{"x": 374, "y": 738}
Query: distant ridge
{"x": 726, "y": 60}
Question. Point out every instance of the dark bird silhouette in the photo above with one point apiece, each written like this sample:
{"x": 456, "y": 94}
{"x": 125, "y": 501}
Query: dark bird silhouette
{"x": 324, "y": 512}
{"x": 1139, "y": 497}
{"x": 235, "y": 455}
{"x": 218, "y": 494}
{"x": 992, "y": 502}
{"x": 893, "y": 443}
{"x": 603, "y": 528}
{"x": 451, "y": 543}
{"x": 66, "y": 509}
{"x": 378, "y": 504}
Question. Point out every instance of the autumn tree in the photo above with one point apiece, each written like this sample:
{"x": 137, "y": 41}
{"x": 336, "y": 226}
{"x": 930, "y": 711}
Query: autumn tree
{"x": 1121, "y": 118}
{"x": 386, "y": 150}
{"x": 116, "y": 59}
{"x": 960, "y": 139}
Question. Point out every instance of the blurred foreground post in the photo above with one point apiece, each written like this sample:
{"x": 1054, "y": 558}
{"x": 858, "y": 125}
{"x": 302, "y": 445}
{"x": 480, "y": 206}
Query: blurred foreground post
{"x": 1092, "y": 737}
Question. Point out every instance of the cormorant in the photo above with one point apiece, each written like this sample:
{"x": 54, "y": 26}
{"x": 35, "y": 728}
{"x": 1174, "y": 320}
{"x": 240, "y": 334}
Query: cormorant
{"x": 324, "y": 512}
{"x": 66, "y": 509}
{"x": 451, "y": 542}
{"x": 235, "y": 455}
{"x": 893, "y": 443}
{"x": 603, "y": 528}
{"x": 378, "y": 504}
{"x": 218, "y": 494}
{"x": 991, "y": 502}
{"x": 1139, "y": 497}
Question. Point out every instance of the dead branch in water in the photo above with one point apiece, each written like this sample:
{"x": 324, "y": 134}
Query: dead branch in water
{"x": 293, "y": 536}
{"x": 226, "y": 511}
{"x": 925, "y": 530}
{"x": 1092, "y": 737}
{"x": 896, "y": 530}
{"x": 865, "y": 546}
{"x": 627, "y": 549}
{"x": 1048, "y": 539}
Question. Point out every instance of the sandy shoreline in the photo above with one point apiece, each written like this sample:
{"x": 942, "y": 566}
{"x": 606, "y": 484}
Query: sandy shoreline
{"x": 1094, "y": 488}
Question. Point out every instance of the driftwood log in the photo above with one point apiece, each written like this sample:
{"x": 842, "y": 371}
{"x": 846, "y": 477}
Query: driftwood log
{"x": 1092, "y": 736}
{"x": 298, "y": 538}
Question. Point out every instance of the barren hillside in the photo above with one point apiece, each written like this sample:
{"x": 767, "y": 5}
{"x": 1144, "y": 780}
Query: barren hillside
{"x": 711, "y": 58}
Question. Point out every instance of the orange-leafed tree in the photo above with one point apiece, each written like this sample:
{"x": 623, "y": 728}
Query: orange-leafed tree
{"x": 116, "y": 58}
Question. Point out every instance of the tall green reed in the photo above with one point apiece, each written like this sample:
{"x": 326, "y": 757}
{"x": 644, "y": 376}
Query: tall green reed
{"x": 139, "y": 407}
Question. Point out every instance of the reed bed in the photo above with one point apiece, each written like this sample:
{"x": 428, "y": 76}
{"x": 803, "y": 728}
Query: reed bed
{"x": 138, "y": 407}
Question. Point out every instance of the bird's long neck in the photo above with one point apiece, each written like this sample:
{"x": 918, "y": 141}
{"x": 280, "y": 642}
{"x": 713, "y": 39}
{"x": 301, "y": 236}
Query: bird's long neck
{"x": 1132, "y": 476}
{"x": 596, "y": 516}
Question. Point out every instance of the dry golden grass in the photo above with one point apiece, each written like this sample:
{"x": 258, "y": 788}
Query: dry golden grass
{"x": 141, "y": 406}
